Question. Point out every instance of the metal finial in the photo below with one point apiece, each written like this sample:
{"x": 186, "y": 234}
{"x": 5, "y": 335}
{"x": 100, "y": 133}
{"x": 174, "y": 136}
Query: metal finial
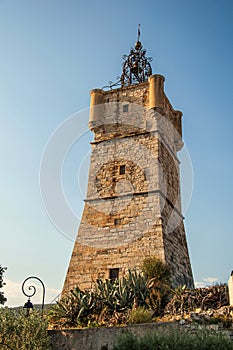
{"x": 139, "y": 32}
{"x": 136, "y": 66}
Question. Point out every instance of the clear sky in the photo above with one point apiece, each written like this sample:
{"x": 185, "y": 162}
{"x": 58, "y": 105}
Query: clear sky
{"x": 53, "y": 52}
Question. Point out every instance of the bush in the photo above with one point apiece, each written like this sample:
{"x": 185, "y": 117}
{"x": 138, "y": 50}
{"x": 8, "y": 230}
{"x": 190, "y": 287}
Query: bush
{"x": 23, "y": 333}
{"x": 2, "y": 297}
{"x": 174, "y": 341}
{"x": 156, "y": 269}
{"x": 159, "y": 283}
{"x": 127, "y": 341}
{"x": 140, "y": 315}
{"x": 186, "y": 300}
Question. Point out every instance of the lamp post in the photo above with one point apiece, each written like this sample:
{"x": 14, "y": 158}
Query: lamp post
{"x": 28, "y": 305}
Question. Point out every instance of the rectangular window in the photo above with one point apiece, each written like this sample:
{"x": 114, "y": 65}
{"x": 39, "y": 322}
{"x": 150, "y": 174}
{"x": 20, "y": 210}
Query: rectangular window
{"x": 117, "y": 221}
{"x": 122, "y": 169}
{"x": 125, "y": 108}
{"x": 113, "y": 274}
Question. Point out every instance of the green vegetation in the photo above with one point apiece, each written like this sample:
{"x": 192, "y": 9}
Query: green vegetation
{"x": 2, "y": 297}
{"x": 133, "y": 299}
{"x": 174, "y": 340}
{"x": 111, "y": 301}
{"x": 158, "y": 275}
{"x": 185, "y": 300}
{"x": 23, "y": 333}
{"x": 140, "y": 315}
{"x": 139, "y": 297}
{"x": 156, "y": 269}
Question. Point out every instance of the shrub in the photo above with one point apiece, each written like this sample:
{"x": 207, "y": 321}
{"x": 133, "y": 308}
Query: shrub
{"x": 140, "y": 315}
{"x": 159, "y": 282}
{"x": 127, "y": 341}
{"x": 155, "y": 268}
{"x": 174, "y": 340}
{"x": 2, "y": 297}
{"x": 186, "y": 300}
{"x": 23, "y": 333}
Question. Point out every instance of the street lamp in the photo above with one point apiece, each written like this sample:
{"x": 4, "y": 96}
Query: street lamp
{"x": 28, "y": 305}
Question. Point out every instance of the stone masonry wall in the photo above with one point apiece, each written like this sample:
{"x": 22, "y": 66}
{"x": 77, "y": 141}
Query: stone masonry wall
{"x": 132, "y": 209}
{"x": 100, "y": 338}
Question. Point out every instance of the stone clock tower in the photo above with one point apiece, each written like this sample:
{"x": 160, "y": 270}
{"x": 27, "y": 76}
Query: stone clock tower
{"x": 133, "y": 207}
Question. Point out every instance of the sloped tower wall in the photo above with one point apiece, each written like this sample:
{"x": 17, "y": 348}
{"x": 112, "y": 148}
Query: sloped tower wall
{"x": 133, "y": 207}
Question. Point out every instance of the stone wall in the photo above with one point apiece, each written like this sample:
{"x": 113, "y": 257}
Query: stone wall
{"x": 96, "y": 338}
{"x": 134, "y": 213}
{"x": 104, "y": 338}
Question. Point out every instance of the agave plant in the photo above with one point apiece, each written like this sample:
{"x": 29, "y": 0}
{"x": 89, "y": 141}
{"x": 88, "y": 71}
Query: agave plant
{"x": 108, "y": 299}
{"x": 138, "y": 285}
{"x": 105, "y": 292}
{"x": 74, "y": 309}
{"x": 124, "y": 296}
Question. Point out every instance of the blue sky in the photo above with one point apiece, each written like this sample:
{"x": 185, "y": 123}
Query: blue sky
{"x": 52, "y": 54}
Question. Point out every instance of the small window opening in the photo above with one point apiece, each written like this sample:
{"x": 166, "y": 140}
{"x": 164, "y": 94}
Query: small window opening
{"x": 146, "y": 174}
{"x": 116, "y": 221}
{"x": 125, "y": 108}
{"x": 113, "y": 274}
{"x": 122, "y": 169}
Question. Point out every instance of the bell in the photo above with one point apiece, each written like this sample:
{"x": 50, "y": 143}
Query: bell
{"x": 135, "y": 67}
{"x": 138, "y": 45}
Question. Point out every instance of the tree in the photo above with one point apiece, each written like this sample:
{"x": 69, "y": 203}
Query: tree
{"x": 2, "y": 297}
